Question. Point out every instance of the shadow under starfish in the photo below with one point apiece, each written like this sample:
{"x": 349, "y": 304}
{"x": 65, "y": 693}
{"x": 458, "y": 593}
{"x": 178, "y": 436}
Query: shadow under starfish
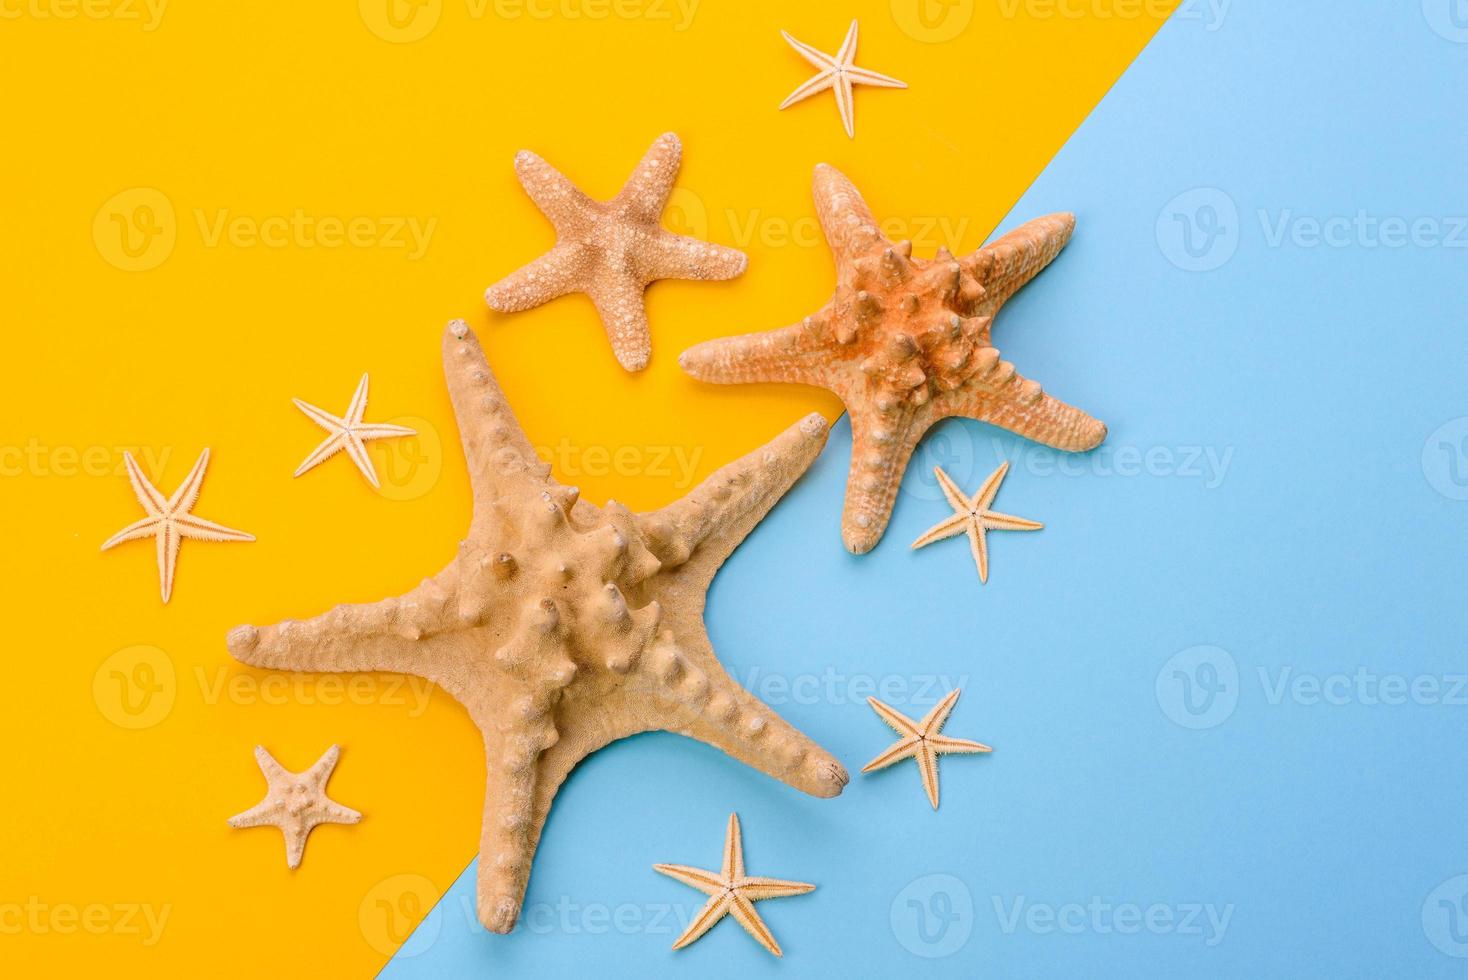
{"x": 905, "y": 343}
{"x": 562, "y": 626}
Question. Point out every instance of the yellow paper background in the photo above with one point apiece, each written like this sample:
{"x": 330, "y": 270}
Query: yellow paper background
{"x": 251, "y": 112}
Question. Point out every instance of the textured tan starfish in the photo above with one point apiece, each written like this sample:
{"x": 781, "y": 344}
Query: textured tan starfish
{"x": 611, "y": 250}
{"x": 905, "y": 343}
{"x": 921, "y": 740}
{"x": 348, "y": 433}
{"x": 838, "y": 72}
{"x": 562, "y": 626}
{"x": 732, "y": 892}
{"x": 972, "y": 515}
{"x": 295, "y": 802}
{"x": 169, "y": 520}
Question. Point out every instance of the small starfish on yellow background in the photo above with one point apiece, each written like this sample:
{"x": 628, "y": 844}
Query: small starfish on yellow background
{"x": 295, "y": 802}
{"x": 921, "y": 741}
{"x": 839, "y": 73}
{"x": 972, "y": 515}
{"x": 169, "y": 520}
{"x": 611, "y": 250}
{"x": 348, "y": 433}
{"x": 732, "y": 892}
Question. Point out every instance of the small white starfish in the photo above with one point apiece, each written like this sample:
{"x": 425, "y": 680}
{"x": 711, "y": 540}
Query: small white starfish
{"x": 972, "y": 514}
{"x": 837, "y": 72}
{"x": 732, "y": 892}
{"x": 295, "y": 802}
{"x": 921, "y": 741}
{"x": 349, "y": 433}
{"x": 169, "y": 520}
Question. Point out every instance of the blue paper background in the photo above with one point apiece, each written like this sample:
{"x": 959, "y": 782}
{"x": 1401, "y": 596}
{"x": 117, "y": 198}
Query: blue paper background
{"x": 1283, "y": 487}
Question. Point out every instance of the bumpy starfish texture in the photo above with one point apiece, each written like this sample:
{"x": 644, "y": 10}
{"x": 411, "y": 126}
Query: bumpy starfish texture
{"x": 839, "y": 73}
{"x": 562, "y": 626}
{"x": 732, "y": 892}
{"x": 921, "y": 740}
{"x": 611, "y": 250}
{"x": 348, "y": 433}
{"x": 905, "y": 343}
{"x": 295, "y": 802}
{"x": 972, "y": 516}
{"x": 169, "y": 520}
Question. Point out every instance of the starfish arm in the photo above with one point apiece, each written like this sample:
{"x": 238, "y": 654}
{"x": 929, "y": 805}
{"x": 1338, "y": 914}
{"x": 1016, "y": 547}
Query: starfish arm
{"x": 990, "y": 488}
{"x": 295, "y": 843}
{"x": 358, "y": 407}
{"x": 904, "y": 749}
{"x": 320, "y": 416}
{"x": 846, "y": 54}
{"x": 696, "y": 533}
{"x": 943, "y": 530}
{"x": 881, "y": 446}
{"x": 759, "y": 889}
{"x": 979, "y": 547}
{"x": 321, "y": 769}
{"x": 705, "y": 881}
{"x": 384, "y": 635}
{"x": 557, "y": 198}
{"x": 896, "y": 720}
{"x": 144, "y": 528}
{"x": 938, "y": 714}
{"x": 743, "y": 910}
{"x": 951, "y": 492}
{"x": 381, "y": 430}
{"x": 510, "y": 830}
{"x": 199, "y": 529}
{"x": 927, "y": 761}
{"x": 620, "y": 304}
{"x": 845, "y": 104}
{"x": 168, "y": 540}
{"x": 865, "y": 76}
{"x": 558, "y": 272}
{"x": 994, "y": 521}
{"x": 262, "y": 813}
{"x": 818, "y": 58}
{"x": 713, "y": 910}
{"x": 646, "y": 192}
{"x": 494, "y": 444}
{"x": 1003, "y": 266}
{"x": 273, "y": 771}
{"x": 848, "y": 223}
{"x": 357, "y": 452}
{"x": 326, "y": 449}
{"x": 733, "y": 850}
{"x": 671, "y": 256}
{"x": 814, "y": 85}
{"x": 958, "y": 746}
{"x": 1023, "y": 408}
{"x": 152, "y": 501}
{"x": 794, "y": 354}
{"x": 187, "y": 494}
{"x": 333, "y": 812}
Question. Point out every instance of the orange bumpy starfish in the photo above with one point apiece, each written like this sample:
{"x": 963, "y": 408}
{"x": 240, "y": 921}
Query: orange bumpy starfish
{"x": 905, "y": 343}
{"x": 562, "y": 626}
{"x": 611, "y": 250}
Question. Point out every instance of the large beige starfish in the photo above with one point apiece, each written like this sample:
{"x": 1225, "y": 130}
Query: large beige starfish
{"x": 905, "y": 343}
{"x": 611, "y": 250}
{"x": 562, "y": 626}
{"x": 921, "y": 740}
{"x": 838, "y": 72}
{"x": 972, "y": 515}
{"x": 296, "y": 802}
{"x": 169, "y": 520}
{"x": 348, "y": 433}
{"x": 732, "y": 892}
